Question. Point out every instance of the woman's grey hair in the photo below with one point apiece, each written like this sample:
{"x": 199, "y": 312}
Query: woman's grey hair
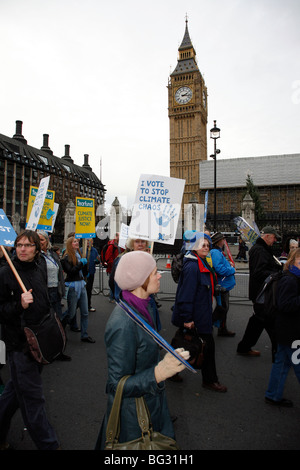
{"x": 46, "y": 236}
{"x": 130, "y": 241}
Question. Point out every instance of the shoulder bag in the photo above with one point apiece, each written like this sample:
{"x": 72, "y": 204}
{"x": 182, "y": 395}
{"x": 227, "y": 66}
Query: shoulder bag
{"x": 189, "y": 339}
{"x": 47, "y": 340}
{"x": 149, "y": 439}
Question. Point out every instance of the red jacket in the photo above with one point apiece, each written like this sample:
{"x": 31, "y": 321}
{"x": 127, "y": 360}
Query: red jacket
{"x": 112, "y": 252}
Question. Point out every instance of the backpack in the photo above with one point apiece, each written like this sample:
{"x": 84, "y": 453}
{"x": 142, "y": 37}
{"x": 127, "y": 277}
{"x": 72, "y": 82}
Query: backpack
{"x": 176, "y": 266}
{"x": 267, "y": 296}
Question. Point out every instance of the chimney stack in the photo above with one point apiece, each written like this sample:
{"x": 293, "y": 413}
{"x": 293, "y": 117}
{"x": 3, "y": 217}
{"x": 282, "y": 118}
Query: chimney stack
{"x": 67, "y": 154}
{"x": 18, "y": 135}
{"x": 86, "y": 162}
{"x": 45, "y": 146}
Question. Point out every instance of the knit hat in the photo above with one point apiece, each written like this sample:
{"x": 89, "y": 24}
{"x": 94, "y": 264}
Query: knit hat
{"x": 133, "y": 269}
{"x": 218, "y": 236}
{"x": 195, "y": 239}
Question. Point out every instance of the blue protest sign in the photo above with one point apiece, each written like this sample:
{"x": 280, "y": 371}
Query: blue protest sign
{"x": 157, "y": 338}
{"x": 247, "y": 232}
{"x": 7, "y": 233}
{"x": 205, "y": 206}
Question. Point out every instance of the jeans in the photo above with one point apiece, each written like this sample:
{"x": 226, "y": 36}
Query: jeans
{"x": 24, "y": 390}
{"x": 280, "y": 369}
{"x": 82, "y": 304}
{"x": 89, "y": 288}
{"x": 55, "y": 301}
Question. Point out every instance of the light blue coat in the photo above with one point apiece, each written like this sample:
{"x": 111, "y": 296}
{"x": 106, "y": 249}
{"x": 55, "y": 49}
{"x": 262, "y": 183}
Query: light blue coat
{"x": 225, "y": 272}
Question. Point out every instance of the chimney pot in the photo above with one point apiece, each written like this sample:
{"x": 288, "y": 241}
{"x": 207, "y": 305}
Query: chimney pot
{"x": 45, "y": 146}
{"x": 67, "y": 154}
{"x": 86, "y": 162}
{"x": 18, "y": 135}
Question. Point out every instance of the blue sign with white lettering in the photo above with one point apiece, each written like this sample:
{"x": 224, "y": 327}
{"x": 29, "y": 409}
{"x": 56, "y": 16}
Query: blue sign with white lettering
{"x": 7, "y": 233}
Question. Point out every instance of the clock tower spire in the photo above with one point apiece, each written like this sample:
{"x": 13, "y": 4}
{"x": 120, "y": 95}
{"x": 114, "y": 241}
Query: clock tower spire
{"x": 187, "y": 95}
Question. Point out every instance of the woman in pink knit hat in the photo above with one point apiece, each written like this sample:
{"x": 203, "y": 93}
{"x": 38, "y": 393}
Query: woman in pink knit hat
{"x": 132, "y": 351}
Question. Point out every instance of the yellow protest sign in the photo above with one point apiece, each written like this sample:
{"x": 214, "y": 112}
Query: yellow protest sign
{"x": 85, "y": 218}
{"x": 45, "y": 220}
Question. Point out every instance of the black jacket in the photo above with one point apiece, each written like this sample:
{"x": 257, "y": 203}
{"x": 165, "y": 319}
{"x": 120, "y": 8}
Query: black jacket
{"x": 73, "y": 272}
{"x": 262, "y": 263}
{"x": 288, "y": 303}
{"x": 34, "y": 277}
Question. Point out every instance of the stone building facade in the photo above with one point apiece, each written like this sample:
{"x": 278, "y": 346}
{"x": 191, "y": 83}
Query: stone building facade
{"x": 22, "y": 166}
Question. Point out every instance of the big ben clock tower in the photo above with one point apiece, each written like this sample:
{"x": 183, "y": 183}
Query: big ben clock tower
{"x": 188, "y": 119}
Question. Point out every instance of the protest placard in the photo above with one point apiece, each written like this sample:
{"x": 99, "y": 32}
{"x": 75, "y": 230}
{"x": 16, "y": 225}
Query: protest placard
{"x": 155, "y": 336}
{"x": 7, "y": 238}
{"x": 40, "y": 207}
{"x": 55, "y": 210}
{"x": 247, "y": 232}
{"x": 205, "y": 206}
{"x": 156, "y": 208}
{"x": 123, "y": 236}
{"x": 7, "y": 233}
{"x": 85, "y": 218}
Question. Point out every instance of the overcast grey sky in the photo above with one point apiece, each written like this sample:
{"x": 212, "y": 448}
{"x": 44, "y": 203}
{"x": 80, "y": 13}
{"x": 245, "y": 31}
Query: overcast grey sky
{"x": 94, "y": 75}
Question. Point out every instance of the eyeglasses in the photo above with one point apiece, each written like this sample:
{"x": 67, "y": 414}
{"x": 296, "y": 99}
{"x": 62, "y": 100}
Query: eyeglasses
{"x": 25, "y": 245}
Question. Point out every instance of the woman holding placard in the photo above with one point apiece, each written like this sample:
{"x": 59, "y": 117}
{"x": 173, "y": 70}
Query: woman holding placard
{"x": 73, "y": 265}
{"x": 132, "y": 351}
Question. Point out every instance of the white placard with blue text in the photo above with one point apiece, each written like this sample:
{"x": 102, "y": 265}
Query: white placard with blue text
{"x": 38, "y": 204}
{"x": 7, "y": 233}
{"x": 156, "y": 208}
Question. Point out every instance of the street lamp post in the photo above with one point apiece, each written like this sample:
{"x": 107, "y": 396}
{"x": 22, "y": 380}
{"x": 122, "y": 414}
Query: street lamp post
{"x": 215, "y": 134}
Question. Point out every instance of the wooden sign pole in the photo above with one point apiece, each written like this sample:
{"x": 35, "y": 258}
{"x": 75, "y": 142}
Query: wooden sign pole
{"x": 13, "y": 269}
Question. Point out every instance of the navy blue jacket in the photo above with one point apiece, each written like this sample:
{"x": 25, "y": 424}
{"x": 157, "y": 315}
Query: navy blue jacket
{"x": 288, "y": 303}
{"x": 193, "y": 300}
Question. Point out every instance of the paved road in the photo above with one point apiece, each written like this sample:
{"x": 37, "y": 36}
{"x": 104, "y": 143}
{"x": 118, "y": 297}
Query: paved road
{"x": 237, "y": 420}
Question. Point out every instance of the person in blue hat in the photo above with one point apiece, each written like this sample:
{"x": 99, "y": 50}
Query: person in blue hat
{"x": 194, "y": 303}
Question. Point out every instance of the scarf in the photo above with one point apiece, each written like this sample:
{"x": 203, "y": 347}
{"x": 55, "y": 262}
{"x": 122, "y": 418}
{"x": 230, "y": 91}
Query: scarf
{"x": 294, "y": 270}
{"x": 138, "y": 304}
{"x": 205, "y": 267}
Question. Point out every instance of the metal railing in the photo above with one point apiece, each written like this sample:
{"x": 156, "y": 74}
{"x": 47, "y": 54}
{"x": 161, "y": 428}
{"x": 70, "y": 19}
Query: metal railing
{"x": 168, "y": 287}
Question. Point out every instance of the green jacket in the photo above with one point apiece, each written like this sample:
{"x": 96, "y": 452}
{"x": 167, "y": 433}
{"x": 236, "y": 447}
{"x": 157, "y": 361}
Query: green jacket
{"x": 132, "y": 351}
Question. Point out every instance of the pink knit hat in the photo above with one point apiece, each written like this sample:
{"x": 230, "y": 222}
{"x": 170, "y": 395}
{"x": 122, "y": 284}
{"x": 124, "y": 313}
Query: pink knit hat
{"x": 133, "y": 269}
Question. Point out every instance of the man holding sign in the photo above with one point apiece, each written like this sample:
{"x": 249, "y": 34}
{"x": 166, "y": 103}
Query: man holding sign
{"x": 24, "y": 298}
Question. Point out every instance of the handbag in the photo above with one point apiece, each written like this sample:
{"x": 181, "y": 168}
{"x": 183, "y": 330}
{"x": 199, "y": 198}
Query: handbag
{"x": 189, "y": 339}
{"x": 47, "y": 340}
{"x": 149, "y": 439}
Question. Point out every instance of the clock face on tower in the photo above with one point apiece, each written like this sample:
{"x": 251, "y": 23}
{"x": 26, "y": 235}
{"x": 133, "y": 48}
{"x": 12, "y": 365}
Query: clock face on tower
{"x": 183, "y": 95}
